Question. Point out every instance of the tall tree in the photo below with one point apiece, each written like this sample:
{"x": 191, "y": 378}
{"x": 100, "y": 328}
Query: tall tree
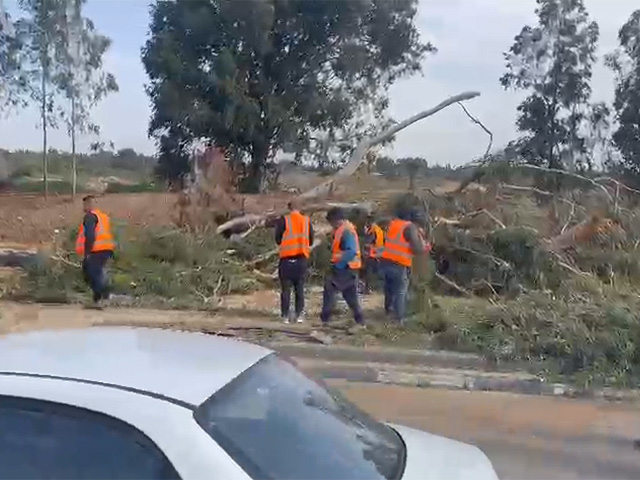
{"x": 42, "y": 34}
{"x": 553, "y": 61}
{"x": 625, "y": 62}
{"x": 258, "y": 74}
{"x": 414, "y": 167}
{"x": 85, "y": 83}
{"x": 10, "y": 86}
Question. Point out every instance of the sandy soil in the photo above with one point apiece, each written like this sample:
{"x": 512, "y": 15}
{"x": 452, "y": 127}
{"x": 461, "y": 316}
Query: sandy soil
{"x": 526, "y": 437}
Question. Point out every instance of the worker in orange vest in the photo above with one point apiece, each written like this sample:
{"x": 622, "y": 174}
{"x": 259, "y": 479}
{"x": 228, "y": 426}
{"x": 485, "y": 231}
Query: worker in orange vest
{"x": 402, "y": 242}
{"x": 95, "y": 244}
{"x": 373, "y": 244}
{"x": 346, "y": 261}
{"x": 294, "y": 235}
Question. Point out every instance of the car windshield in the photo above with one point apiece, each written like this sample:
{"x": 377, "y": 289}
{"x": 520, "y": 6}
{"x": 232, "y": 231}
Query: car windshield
{"x": 277, "y": 423}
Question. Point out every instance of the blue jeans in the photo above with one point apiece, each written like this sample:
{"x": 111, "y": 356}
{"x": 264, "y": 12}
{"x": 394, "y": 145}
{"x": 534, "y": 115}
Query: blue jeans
{"x": 346, "y": 283}
{"x": 93, "y": 272}
{"x": 396, "y": 287}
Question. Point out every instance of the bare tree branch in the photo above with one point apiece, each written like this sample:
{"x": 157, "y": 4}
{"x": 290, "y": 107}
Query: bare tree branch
{"x": 481, "y": 125}
{"x": 357, "y": 158}
{"x": 255, "y": 220}
{"x": 359, "y": 154}
{"x": 618, "y": 183}
{"x": 454, "y": 285}
{"x": 527, "y": 166}
{"x": 542, "y": 192}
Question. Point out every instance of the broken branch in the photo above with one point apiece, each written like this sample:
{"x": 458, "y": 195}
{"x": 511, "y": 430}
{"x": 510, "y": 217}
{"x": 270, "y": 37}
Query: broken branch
{"x": 359, "y": 154}
{"x": 481, "y": 125}
{"x": 452, "y": 284}
{"x": 254, "y": 220}
{"x": 357, "y": 158}
{"x": 527, "y": 166}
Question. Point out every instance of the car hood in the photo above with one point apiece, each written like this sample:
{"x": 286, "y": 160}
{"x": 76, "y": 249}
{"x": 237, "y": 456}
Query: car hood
{"x": 433, "y": 457}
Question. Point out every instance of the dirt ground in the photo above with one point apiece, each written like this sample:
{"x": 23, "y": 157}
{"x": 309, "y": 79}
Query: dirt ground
{"x": 526, "y": 437}
{"x": 30, "y": 221}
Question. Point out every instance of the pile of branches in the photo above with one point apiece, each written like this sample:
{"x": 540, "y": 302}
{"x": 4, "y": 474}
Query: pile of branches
{"x": 526, "y": 238}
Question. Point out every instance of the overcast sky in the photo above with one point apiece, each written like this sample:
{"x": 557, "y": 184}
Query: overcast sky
{"x": 470, "y": 35}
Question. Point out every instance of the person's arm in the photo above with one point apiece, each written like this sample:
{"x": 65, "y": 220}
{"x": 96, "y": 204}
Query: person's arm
{"x": 90, "y": 222}
{"x": 281, "y": 224}
{"x": 310, "y": 233}
{"x": 349, "y": 250}
{"x": 412, "y": 236}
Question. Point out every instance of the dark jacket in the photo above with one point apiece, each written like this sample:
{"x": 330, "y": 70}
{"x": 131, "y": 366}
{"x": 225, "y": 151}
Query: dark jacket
{"x": 89, "y": 222}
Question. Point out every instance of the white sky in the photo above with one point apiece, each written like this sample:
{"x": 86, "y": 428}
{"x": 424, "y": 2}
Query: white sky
{"x": 471, "y": 36}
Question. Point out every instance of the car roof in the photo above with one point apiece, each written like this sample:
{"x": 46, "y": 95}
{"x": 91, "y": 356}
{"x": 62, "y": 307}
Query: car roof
{"x": 184, "y": 366}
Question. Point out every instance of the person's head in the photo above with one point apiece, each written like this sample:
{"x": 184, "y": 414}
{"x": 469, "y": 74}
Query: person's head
{"x": 293, "y": 206}
{"x": 403, "y": 213}
{"x": 371, "y": 219}
{"x": 335, "y": 216}
{"x": 88, "y": 203}
{"x": 416, "y": 216}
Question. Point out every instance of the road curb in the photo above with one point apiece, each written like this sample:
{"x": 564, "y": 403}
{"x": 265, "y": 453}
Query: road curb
{"x": 427, "y": 358}
{"x": 457, "y": 379}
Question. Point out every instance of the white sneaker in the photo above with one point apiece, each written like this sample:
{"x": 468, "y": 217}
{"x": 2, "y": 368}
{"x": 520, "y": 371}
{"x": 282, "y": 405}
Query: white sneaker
{"x": 300, "y": 318}
{"x": 285, "y": 320}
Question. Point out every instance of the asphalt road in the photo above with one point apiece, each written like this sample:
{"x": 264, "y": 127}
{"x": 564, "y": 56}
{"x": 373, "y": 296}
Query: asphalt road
{"x": 526, "y": 437}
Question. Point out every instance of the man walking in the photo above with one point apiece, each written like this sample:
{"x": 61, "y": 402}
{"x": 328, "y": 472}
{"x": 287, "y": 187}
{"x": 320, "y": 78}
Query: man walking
{"x": 346, "y": 260}
{"x": 294, "y": 235}
{"x": 401, "y": 243}
{"x": 95, "y": 243}
{"x": 373, "y": 244}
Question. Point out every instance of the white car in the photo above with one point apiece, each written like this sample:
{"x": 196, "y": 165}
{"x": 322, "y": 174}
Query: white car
{"x": 111, "y": 402}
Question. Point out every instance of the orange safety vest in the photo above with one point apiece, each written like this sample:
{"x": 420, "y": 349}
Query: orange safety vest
{"x": 336, "y": 251}
{"x": 375, "y": 249}
{"x": 104, "y": 238}
{"x": 295, "y": 239}
{"x": 396, "y": 248}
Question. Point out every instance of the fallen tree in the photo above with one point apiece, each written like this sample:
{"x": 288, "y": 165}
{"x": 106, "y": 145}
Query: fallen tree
{"x": 245, "y": 222}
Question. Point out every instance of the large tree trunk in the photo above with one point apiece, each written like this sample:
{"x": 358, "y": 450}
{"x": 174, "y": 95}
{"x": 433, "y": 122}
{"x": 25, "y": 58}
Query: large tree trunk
{"x": 255, "y": 177}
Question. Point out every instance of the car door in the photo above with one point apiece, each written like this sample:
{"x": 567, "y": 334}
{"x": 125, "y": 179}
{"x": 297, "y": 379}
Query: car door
{"x": 42, "y": 439}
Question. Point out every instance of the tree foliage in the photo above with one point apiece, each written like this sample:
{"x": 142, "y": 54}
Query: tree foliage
{"x": 625, "y": 62}
{"x": 10, "y": 86}
{"x": 257, "y": 75}
{"x": 57, "y": 64}
{"x": 553, "y": 62}
{"x": 85, "y": 83}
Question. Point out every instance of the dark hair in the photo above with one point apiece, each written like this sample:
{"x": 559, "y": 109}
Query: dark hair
{"x": 403, "y": 214}
{"x": 88, "y": 198}
{"x": 335, "y": 213}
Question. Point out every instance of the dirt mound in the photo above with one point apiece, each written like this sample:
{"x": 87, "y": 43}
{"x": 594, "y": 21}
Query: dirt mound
{"x": 32, "y": 220}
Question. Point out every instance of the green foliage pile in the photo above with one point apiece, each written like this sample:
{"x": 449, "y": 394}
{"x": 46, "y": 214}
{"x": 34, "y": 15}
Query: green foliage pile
{"x": 594, "y": 339}
{"x": 151, "y": 266}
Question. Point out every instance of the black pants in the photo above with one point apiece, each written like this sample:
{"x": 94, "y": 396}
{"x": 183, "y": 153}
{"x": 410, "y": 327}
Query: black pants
{"x": 346, "y": 283}
{"x": 93, "y": 272}
{"x": 371, "y": 272}
{"x": 292, "y": 273}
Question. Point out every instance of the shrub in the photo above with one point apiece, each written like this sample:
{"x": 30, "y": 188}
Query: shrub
{"x": 150, "y": 264}
{"x": 595, "y": 341}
